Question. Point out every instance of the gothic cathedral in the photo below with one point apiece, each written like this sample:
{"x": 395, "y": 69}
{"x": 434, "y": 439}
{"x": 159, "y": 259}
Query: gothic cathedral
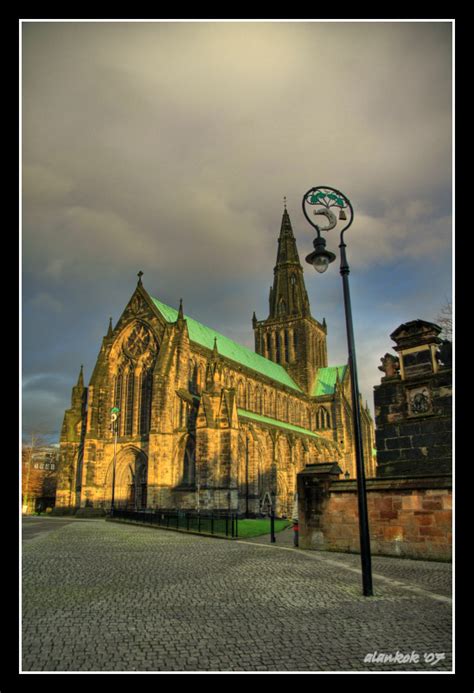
{"x": 205, "y": 423}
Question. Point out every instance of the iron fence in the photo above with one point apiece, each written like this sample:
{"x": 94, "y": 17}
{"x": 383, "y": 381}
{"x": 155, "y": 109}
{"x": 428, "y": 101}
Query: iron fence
{"x": 213, "y": 523}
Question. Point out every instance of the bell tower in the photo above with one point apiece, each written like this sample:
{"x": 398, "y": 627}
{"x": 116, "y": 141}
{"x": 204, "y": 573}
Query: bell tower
{"x": 290, "y": 336}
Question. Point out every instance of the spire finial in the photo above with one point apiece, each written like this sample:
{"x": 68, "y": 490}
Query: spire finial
{"x": 215, "y": 349}
{"x": 80, "y": 380}
{"x": 109, "y": 331}
{"x": 140, "y": 275}
{"x": 180, "y": 310}
{"x": 284, "y": 201}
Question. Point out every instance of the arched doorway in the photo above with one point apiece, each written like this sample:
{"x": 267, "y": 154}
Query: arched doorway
{"x": 130, "y": 480}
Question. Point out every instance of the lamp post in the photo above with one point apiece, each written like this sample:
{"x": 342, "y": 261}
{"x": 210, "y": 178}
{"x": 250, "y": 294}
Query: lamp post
{"x": 115, "y": 411}
{"x": 272, "y": 518}
{"x": 246, "y": 476}
{"x": 321, "y": 201}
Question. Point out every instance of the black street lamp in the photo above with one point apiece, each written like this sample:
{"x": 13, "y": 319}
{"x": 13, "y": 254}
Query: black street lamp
{"x": 321, "y": 201}
{"x": 115, "y": 413}
{"x": 246, "y": 476}
{"x": 272, "y": 518}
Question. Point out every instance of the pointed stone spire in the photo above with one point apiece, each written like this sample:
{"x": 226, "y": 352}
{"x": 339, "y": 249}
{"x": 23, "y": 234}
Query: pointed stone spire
{"x": 287, "y": 251}
{"x": 109, "y": 331}
{"x": 213, "y": 372}
{"x": 254, "y": 320}
{"x": 288, "y": 295}
{"x": 180, "y": 311}
{"x": 78, "y": 393}
{"x": 80, "y": 380}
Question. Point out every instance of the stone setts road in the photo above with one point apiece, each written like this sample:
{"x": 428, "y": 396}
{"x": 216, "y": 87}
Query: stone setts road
{"x": 102, "y": 596}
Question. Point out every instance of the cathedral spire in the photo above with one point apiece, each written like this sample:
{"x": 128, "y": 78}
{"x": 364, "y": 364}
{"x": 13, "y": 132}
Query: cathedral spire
{"x": 287, "y": 251}
{"x": 290, "y": 336}
{"x": 109, "y": 331}
{"x": 288, "y": 295}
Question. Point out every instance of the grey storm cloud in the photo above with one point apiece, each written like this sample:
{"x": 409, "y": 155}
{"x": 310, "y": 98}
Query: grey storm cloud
{"x": 168, "y": 147}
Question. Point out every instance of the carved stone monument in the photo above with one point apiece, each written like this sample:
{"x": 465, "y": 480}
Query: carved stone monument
{"x": 413, "y": 403}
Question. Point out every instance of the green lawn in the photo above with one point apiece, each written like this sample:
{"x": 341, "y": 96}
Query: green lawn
{"x": 254, "y": 528}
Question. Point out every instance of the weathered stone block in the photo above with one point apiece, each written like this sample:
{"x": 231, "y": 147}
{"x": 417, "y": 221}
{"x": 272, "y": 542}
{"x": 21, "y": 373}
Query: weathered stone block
{"x": 397, "y": 443}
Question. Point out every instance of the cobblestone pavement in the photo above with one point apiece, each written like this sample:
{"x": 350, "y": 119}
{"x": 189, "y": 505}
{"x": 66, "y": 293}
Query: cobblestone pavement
{"x": 100, "y": 596}
{"x": 431, "y": 575}
{"x": 33, "y": 526}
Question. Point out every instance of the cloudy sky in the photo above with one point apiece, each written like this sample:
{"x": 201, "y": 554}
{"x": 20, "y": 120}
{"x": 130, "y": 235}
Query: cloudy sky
{"x": 168, "y": 148}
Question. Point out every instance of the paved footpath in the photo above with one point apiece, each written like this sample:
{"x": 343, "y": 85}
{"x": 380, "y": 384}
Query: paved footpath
{"x": 102, "y": 596}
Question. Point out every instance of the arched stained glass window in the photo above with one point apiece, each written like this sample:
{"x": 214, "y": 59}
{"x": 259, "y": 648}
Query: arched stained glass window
{"x": 145, "y": 401}
{"x": 129, "y": 403}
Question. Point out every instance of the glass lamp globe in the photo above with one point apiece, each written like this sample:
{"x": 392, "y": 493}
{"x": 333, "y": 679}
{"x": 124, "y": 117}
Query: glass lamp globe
{"x": 320, "y": 263}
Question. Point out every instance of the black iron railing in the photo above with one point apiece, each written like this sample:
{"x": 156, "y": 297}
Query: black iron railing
{"x": 187, "y": 521}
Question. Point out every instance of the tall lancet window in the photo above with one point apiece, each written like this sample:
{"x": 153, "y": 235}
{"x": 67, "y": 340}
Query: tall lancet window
{"x": 189, "y": 462}
{"x": 323, "y": 419}
{"x": 128, "y": 428}
{"x": 118, "y": 389}
{"x": 241, "y": 394}
{"x": 145, "y": 402}
{"x": 287, "y": 347}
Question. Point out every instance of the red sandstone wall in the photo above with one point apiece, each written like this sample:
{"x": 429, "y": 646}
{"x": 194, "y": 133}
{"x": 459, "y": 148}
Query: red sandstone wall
{"x": 414, "y": 523}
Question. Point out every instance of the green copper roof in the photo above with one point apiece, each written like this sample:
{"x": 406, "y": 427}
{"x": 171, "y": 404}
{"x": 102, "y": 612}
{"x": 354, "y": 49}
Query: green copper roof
{"x": 325, "y": 381}
{"x": 275, "y": 422}
{"x": 204, "y": 336}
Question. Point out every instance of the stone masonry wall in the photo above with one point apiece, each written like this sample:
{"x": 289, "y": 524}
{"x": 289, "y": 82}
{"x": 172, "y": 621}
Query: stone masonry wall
{"x": 409, "y": 444}
{"x": 407, "y": 517}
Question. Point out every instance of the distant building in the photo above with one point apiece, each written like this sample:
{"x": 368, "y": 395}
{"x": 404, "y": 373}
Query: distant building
{"x": 39, "y": 476}
{"x": 205, "y": 422}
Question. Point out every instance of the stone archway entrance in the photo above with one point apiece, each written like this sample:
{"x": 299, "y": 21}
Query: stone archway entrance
{"x": 130, "y": 480}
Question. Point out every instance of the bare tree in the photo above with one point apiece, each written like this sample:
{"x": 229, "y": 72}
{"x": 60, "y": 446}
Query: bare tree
{"x": 445, "y": 321}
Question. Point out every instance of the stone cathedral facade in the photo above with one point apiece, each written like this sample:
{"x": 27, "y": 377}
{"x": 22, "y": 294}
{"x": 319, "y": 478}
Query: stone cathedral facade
{"x": 204, "y": 422}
